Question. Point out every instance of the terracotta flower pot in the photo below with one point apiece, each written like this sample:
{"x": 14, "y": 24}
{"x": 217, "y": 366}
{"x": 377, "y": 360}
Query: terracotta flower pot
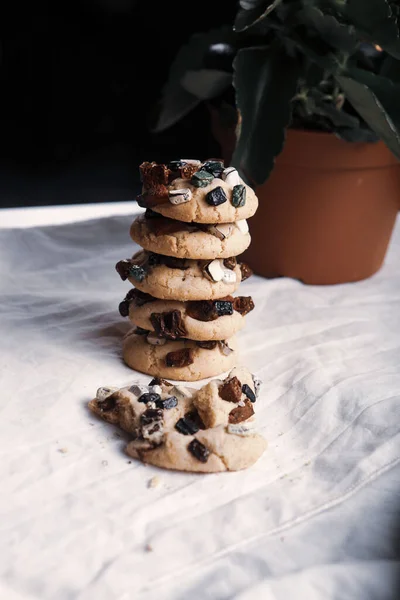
{"x": 326, "y": 212}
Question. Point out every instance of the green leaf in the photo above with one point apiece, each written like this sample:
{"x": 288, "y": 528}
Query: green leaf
{"x": 376, "y": 21}
{"x": 338, "y": 36}
{"x": 266, "y": 81}
{"x": 206, "y": 83}
{"x": 369, "y": 105}
{"x": 176, "y": 100}
{"x": 253, "y": 12}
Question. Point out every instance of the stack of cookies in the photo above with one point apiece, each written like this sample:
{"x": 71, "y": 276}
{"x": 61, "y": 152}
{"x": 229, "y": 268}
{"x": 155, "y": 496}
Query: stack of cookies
{"x": 194, "y": 226}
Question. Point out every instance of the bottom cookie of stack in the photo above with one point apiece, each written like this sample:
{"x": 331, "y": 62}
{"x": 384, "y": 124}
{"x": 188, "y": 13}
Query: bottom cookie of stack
{"x": 181, "y": 359}
{"x": 175, "y": 427}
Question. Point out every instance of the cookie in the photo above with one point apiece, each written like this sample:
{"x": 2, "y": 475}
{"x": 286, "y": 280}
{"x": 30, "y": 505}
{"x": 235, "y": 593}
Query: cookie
{"x": 168, "y": 430}
{"x": 202, "y": 320}
{"x": 183, "y": 240}
{"x": 227, "y": 403}
{"x": 183, "y": 360}
{"x": 194, "y": 191}
{"x": 198, "y": 209}
{"x": 209, "y": 451}
{"x": 168, "y": 278}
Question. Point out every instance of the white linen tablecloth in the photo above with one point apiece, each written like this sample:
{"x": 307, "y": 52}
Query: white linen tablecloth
{"x": 318, "y": 516}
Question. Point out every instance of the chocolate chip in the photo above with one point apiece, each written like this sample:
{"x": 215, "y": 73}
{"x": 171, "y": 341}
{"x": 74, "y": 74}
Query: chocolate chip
{"x": 123, "y": 268}
{"x": 207, "y": 345}
{"x": 243, "y": 304}
{"x": 225, "y": 349}
{"x": 110, "y": 403}
{"x": 174, "y": 263}
{"x": 160, "y": 381}
{"x": 168, "y": 403}
{"x": 123, "y": 308}
{"x": 169, "y": 324}
{"x": 150, "y": 416}
{"x": 245, "y": 270}
{"x": 199, "y": 450}
{"x": 175, "y": 165}
{"x": 149, "y": 397}
{"x": 231, "y": 390}
{"x": 201, "y": 178}
{"x": 141, "y": 331}
{"x": 138, "y": 297}
{"x": 241, "y": 413}
{"x": 238, "y": 196}
{"x": 214, "y": 167}
{"x": 180, "y": 358}
{"x": 216, "y": 197}
{"x": 230, "y": 263}
{"x": 247, "y": 391}
{"x": 137, "y": 272}
{"x": 190, "y": 423}
{"x": 186, "y": 427}
{"x": 223, "y": 307}
{"x": 202, "y": 310}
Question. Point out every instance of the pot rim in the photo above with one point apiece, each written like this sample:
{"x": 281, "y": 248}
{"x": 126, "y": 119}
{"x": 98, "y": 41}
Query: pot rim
{"x": 321, "y": 150}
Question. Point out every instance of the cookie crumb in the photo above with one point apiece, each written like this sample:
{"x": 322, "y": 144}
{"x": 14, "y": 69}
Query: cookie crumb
{"x": 148, "y": 548}
{"x": 63, "y": 450}
{"x": 104, "y": 463}
{"x": 129, "y": 462}
{"x": 154, "y": 482}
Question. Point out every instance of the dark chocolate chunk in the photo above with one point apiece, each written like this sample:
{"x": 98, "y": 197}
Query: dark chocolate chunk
{"x": 169, "y": 324}
{"x": 201, "y": 178}
{"x": 141, "y": 331}
{"x": 207, "y": 345}
{"x": 160, "y": 381}
{"x": 202, "y": 310}
{"x": 190, "y": 423}
{"x": 123, "y": 268}
{"x": 230, "y": 263}
{"x": 243, "y": 304}
{"x": 241, "y": 413}
{"x": 110, "y": 403}
{"x": 247, "y": 391}
{"x": 123, "y": 308}
{"x": 238, "y": 195}
{"x": 149, "y": 397}
{"x": 179, "y": 358}
{"x": 137, "y": 272}
{"x": 216, "y": 197}
{"x": 199, "y": 450}
{"x": 175, "y": 165}
{"x": 245, "y": 270}
{"x": 168, "y": 403}
{"x": 214, "y": 167}
{"x": 174, "y": 263}
{"x": 223, "y": 307}
{"x": 231, "y": 390}
{"x": 150, "y": 416}
{"x": 139, "y": 297}
{"x": 141, "y": 200}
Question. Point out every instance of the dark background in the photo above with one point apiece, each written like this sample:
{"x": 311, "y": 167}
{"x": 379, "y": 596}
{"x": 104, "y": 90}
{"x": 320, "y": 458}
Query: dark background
{"x": 80, "y": 82}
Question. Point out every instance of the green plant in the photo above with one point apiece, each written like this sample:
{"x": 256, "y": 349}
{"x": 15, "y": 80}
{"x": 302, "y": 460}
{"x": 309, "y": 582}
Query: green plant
{"x": 330, "y": 65}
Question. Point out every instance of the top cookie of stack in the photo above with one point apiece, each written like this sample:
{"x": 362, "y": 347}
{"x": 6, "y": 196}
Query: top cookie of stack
{"x": 195, "y": 192}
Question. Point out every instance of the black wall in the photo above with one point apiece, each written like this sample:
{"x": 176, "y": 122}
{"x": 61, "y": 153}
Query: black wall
{"x": 79, "y": 84}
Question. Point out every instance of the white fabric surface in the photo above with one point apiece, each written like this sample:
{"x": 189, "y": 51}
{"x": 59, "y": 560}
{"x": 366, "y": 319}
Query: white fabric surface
{"x": 316, "y": 518}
